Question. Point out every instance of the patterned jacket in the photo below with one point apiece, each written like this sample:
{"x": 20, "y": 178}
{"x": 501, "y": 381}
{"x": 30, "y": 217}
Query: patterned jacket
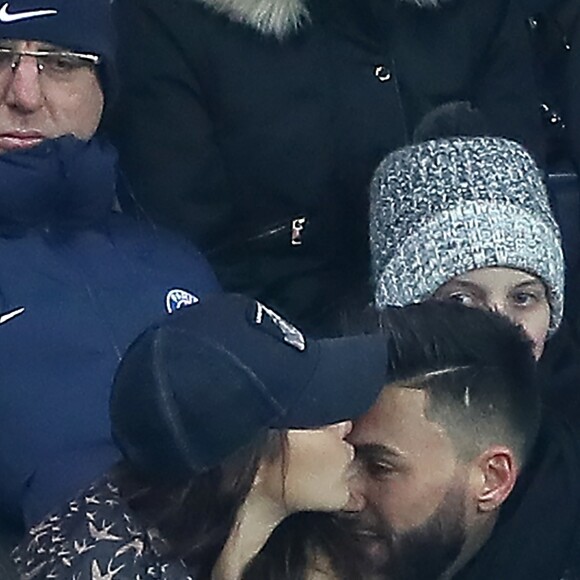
{"x": 95, "y": 537}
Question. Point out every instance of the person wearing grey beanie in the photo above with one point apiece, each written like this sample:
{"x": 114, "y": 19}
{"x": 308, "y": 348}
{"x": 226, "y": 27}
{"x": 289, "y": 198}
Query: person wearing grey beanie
{"x": 468, "y": 219}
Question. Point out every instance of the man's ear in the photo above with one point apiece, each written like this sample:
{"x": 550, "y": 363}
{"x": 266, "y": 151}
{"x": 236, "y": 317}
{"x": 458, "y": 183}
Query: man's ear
{"x": 495, "y": 476}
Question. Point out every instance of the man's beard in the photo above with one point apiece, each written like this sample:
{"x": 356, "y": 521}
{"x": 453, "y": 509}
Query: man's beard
{"x": 427, "y": 551}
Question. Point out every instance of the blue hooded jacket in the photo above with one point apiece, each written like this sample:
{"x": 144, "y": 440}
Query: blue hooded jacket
{"x": 78, "y": 283}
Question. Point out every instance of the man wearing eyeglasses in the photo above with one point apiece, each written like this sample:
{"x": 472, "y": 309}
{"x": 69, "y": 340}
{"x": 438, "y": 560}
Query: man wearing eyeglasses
{"x": 78, "y": 282}
{"x": 48, "y": 92}
{"x": 50, "y": 89}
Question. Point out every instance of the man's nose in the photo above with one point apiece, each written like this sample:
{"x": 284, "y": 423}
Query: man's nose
{"x": 24, "y": 91}
{"x": 357, "y": 499}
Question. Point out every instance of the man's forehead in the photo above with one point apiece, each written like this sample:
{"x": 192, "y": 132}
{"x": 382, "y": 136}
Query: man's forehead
{"x": 394, "y": 404}
{"x": 397, "y": 419}
{"x": 398, "y": 401}
{"x": 30, "y": 44}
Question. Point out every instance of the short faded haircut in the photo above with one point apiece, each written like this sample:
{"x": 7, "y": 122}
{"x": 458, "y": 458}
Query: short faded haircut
{"x": 477, "y": 369}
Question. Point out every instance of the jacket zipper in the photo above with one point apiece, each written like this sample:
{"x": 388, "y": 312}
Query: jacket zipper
{"x": 400, "y": 100}
{"x": 269, "y": 232}
{"x": 294, "y": 228}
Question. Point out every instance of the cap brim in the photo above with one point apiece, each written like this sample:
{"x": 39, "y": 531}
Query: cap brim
{"x": 348, "y": 378}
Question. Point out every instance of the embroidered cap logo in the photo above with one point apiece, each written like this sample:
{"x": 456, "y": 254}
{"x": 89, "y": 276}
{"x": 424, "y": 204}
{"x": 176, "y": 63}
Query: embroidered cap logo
{"x": 290, "y": 333}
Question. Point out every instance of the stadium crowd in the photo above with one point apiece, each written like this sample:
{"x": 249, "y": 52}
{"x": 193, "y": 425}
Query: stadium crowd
{"x": 290, "y": 289}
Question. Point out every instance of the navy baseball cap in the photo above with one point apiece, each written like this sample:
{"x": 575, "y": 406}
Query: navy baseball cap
{"x": 209, "y": 378}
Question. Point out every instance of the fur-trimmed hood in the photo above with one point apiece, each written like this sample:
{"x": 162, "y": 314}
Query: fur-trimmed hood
{"x": 279, "y": 17}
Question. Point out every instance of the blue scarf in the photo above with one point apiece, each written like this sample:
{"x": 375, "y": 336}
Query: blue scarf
{"x": 62, "y": 184}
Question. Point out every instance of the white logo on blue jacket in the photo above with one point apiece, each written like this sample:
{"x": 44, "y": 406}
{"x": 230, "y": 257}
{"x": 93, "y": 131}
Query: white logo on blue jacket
{"x": 178, "y": 298}
{"x": 6, "y": 316}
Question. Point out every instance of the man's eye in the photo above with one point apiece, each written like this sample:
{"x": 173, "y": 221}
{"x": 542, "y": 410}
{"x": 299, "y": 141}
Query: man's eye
{"x": 378, "y": 469}
{"x": 61, "y": 63}
{"x": 6, "y": 57}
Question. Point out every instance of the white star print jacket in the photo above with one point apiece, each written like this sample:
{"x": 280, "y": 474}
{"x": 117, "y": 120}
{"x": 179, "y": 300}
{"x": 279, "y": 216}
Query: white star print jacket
{"x": 95, "y": 537}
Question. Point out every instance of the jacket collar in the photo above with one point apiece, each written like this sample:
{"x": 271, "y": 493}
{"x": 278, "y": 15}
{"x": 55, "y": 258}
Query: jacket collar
{"x": 60, "y": 185}
{"x": 279, "y": 18}
{"x": 543, "y": 511}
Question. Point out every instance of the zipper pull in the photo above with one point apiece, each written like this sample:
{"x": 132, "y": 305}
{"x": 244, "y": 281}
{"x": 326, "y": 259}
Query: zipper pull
{"x": 297, "y": 227}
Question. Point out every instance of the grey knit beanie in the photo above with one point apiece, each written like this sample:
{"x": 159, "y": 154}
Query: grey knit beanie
{"x": 444, "y": 207}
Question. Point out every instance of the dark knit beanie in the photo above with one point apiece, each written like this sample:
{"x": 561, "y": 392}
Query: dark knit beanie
{"x": 78, "y": 25}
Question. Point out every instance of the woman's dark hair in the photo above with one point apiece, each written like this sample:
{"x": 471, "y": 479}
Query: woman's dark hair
{"x": 304, "y": 539}
{"x": 195, "y": 518}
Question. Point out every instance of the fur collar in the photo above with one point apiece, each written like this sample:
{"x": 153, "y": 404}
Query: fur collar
{"x": 279, "y": 18}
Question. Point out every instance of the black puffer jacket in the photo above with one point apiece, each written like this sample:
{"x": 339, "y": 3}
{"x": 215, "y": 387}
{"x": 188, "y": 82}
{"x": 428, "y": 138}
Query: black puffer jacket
{"x": 254, "y": 127}
{"x": 573, "y": 92}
